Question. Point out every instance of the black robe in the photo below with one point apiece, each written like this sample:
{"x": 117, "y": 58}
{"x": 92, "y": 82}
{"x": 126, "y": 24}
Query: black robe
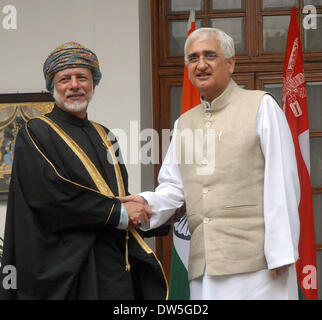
{"x": 60, "y": 233}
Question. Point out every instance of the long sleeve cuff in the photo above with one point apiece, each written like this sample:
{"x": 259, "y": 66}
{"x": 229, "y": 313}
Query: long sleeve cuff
{"x": 124, "y": 219}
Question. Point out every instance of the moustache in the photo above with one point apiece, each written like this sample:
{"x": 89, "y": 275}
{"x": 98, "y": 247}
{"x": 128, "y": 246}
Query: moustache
{"x": 73, "y": 92}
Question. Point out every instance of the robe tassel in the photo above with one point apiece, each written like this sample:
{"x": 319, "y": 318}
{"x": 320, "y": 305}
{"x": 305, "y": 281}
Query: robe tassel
{"x": 128, "y": 266}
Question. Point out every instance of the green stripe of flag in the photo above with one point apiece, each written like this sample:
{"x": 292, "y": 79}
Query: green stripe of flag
{"x": 179, "y": 284}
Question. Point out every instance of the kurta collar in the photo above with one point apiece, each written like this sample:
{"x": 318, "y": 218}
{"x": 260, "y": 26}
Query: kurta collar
{"x": 220, "y": 102}
{"x": 67, "y": 117}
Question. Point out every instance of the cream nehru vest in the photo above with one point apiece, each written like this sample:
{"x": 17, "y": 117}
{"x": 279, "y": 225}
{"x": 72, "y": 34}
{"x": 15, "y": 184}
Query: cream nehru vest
{"x": 222, "y": 169}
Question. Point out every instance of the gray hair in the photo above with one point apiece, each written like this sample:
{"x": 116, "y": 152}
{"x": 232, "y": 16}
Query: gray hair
{"x": 226, "y": 41}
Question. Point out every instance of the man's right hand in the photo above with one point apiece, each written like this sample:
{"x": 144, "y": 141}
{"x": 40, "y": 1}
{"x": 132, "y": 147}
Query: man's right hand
{"x": 137, "y": 208}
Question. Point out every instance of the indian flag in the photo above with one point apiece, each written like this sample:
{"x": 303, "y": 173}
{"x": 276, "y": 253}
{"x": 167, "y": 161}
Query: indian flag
{"x": 179, "y": 284}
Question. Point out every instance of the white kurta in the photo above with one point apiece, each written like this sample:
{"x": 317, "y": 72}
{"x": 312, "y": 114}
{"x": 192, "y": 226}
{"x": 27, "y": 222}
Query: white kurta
{"x": 281, "y": 200}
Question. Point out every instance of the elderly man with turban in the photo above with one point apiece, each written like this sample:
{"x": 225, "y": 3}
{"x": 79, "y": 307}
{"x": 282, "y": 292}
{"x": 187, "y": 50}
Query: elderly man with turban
{"x": 67, "y": 234}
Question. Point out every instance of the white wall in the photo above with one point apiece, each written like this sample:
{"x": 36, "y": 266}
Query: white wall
{"x": 118, "y": 31}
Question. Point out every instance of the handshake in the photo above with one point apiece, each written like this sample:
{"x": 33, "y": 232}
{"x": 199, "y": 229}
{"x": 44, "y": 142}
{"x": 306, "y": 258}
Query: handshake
{"x": 139, "y": 211}
{"x": 137, "y": 208}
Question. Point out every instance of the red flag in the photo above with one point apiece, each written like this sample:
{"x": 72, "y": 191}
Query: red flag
{"x": 190, "y": 95}
{"x": 295, "y": 108}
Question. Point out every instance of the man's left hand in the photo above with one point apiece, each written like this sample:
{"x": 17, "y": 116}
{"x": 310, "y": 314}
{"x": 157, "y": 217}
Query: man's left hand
{"x": 278, "y": 271}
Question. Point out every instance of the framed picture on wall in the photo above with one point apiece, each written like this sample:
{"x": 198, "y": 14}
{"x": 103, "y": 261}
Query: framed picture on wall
{"x": 15, "y": 111}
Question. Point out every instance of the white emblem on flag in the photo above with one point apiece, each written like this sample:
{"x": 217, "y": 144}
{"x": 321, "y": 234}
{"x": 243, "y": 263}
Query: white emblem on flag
{"x": 296, "y": 109}
{"x": 181, "y": 228}
{"x": 293, "y": 84}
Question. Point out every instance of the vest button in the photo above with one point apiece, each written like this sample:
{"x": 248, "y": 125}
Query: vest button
{"x": 206, "y": 220}
{"x": 208, "y": 124}
{"x": 205, "y": 190}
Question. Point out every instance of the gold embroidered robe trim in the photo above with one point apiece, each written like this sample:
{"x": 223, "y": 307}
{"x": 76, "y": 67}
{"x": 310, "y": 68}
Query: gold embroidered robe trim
{"x": 100, "y": 182}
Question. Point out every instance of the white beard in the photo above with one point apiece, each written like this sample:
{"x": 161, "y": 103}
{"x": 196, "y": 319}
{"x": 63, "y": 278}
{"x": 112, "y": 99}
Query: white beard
{"x": 75, "y": 106}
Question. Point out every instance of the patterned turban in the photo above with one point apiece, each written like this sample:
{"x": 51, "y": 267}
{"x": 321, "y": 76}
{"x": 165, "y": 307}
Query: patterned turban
{"x": 70, "y": 55}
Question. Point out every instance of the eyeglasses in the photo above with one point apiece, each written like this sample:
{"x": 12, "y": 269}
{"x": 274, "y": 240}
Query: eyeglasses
{"x": 207, "y": 56}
